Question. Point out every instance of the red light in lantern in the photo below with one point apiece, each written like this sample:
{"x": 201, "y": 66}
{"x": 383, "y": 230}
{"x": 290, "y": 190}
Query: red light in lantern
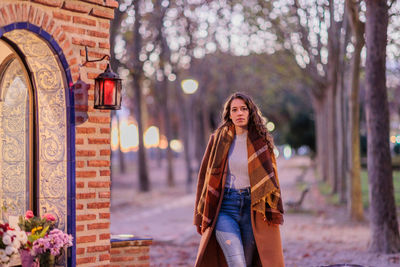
{"x": 108, "y": 92}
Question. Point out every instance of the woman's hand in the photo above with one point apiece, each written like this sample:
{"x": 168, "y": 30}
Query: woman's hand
{"x": 199, "y": 229}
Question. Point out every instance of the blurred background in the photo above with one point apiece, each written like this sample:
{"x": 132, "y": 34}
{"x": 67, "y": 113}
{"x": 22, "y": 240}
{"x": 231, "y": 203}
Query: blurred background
{"x": 303, "y": 63}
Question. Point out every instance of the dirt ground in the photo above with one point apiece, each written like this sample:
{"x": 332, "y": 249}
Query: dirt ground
{"x": 316, "y": 234}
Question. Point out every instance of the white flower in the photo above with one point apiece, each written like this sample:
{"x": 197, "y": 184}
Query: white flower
{"x": 2, "y": 253}
{"x": 22, "y": 237}
{"x": 10, "y": 250}
{"x": 5, "y": 259}
{"x": 6, "y": 239}
{"x": 16, "y": 244}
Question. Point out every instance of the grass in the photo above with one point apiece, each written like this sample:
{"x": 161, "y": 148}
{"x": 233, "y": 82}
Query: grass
{"x": 333, "y": 199}
{"x": 365, "y": 185}
{"x": 326, "y": 190}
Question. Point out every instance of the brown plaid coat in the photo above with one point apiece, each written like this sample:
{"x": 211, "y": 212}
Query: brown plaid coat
{"x": 267, "y": 235}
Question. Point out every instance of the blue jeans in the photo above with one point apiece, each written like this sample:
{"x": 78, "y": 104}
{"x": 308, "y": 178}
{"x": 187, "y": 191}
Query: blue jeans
{"x": 233, "y": 228}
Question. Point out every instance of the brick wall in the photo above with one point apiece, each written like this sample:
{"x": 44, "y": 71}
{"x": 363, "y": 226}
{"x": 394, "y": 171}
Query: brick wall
{"x": 74, "y": 24}
{"x": 133, "y": 253}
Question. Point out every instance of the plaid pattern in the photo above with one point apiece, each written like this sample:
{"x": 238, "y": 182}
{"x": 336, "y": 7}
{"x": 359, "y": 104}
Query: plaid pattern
{"x": 265, "y": 192}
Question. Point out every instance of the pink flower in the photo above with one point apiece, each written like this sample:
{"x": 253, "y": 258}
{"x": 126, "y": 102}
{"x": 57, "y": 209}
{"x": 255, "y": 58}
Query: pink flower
{"x": 29, "y": 214}
{"x": 49, "y": 217}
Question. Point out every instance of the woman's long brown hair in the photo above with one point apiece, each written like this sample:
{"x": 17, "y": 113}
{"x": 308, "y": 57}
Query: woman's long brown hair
{"x": 256, "y": 122}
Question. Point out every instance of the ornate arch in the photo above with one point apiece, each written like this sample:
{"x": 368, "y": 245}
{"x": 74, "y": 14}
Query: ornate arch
{"x": 55, "y": 131}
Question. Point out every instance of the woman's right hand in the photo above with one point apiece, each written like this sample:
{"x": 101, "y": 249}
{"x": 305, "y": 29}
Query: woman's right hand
{"x": 198, "y": 229}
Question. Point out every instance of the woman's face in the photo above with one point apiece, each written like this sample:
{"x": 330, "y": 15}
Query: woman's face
{"x": 239, "y": 113}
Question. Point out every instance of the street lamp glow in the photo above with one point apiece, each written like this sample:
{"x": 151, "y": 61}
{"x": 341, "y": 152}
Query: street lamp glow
{"x": 270, "y": 126}
{"x": 151, "y": 137}
{"x": 189, "y": 86}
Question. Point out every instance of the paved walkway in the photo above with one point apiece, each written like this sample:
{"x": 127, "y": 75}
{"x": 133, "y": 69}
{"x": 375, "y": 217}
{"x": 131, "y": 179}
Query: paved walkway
{"x": 315, "y": 235}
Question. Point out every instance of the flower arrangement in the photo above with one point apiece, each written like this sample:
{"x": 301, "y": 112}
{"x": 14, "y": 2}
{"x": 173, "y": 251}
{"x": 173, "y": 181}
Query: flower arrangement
{"x": 44, "y": 241}
{"x": 11, "y": 239}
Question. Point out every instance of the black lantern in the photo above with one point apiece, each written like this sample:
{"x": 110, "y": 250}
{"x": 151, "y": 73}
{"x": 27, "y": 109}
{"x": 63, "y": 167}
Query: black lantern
{"x": 107, "y": 90}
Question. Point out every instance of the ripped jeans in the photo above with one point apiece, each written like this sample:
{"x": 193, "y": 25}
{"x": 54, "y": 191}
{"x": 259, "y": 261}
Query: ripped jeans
{"x": 233, "y": 228}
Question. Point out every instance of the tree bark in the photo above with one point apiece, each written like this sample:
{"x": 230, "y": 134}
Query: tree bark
{"x": 383, "y": 218}
{"x": 164, "y": 58}
{"x": 144, "y": 184}
{"x": 354, "y": 204}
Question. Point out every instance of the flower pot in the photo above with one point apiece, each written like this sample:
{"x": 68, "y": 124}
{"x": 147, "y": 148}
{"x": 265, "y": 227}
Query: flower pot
{"x": 26, "y": 258}
{"x": 47, "y": 260}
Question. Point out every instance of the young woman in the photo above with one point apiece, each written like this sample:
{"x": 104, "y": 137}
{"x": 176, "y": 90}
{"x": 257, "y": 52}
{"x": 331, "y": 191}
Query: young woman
{"x": 238, "y": 205}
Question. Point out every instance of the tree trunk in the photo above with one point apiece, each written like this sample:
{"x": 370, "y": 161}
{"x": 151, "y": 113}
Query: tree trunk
{"x": 319, "y": 108}
{"x": 341, "y": 115}
{"x": 333, "y": 62}
{"x": 164, "y": 58}
{"x": 144, "y": 184}
{"x": 383, "y": 218}
{"x": 121, "y": 155}
{"x": 354, "y": 204}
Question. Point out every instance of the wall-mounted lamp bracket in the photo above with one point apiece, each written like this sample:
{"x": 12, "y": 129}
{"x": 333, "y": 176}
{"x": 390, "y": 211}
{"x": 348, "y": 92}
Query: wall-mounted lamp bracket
{"x": 94, "y": 60}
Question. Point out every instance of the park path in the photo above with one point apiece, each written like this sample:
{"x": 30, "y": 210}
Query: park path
{"x": 317, "y": 234}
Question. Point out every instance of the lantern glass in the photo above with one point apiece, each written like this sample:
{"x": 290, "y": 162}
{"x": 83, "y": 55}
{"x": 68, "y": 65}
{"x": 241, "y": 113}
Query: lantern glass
{"x": 107, "y": 93}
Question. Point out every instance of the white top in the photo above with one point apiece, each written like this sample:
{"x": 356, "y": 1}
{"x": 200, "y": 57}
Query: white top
{"x": 238, "y": 171}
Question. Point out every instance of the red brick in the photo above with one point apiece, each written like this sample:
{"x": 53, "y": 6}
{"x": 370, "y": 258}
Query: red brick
{"x": 73, "y": 29}
{"x": 74, "y": 5}
{"x": 104, "y": 215}
{"x": 86, "y": 239}
{"x": 105, "y": 173}
{"x": 38, "y": 17}
{"x": 104, "y": 257}
{"x": 104, "y": 236}
{"x": 86, "y": 174}
{"x": 55, "y": 3}
{"x": 99, "y": 184}
{"x": 105, "y": 152}
{"x": 123, "y": 259}
{"x": 83, "y": 42}
{"x": 31, "y": 14}
{"x": 115, "y": 251}
{"x": 79, "y": 206}
{"x": 11, "y": 12}
{"x": 104, "y": 194}
{"x": 85, "y": 130}
{"x": 105, "y": 25}
{"x": 98, "y": 205}
{"x": 61, "y": 38}
{"x": 98, "y": 163}
{"x": 112, "y": 3}
{"x": 96, "y": 119}
{"x": 98, "y": 34}
{"x": 80, "y": 251}
{"x": 84, "y": 21}
{"x": 92, "y": 54}
{"x": 79, "y": 141}
{"x": 80, "y": 164}
{"x": 80, "y": 184}
{"x": 80, "y": 228}
{"x": 104, "y": 45}
{"x": 102, "y": 12}
{"x": 98, "y": 141}
{"x": 61, "y": 16}
{"x": 85, "y": 153}
{"x": 86, "y": 260}
{"x": 85, "y": 195}
{"x": 98, "y": 248}
{"x": 86, "y": 217}
{"x": 99, "y": 2}
{"x": 105, "y": 130}
{"x": 45, "y": 20}
{"x": 144, "y": 257}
